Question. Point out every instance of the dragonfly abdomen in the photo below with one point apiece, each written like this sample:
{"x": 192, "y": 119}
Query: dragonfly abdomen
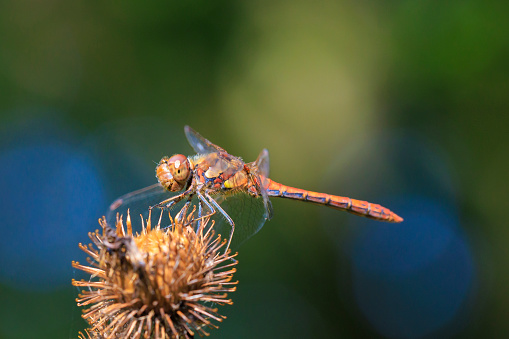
{"x": 357, "y": 207}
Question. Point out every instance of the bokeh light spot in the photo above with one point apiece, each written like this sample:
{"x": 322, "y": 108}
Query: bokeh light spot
{"x": 51, "y": 195}
{"x": 411, "y": 279}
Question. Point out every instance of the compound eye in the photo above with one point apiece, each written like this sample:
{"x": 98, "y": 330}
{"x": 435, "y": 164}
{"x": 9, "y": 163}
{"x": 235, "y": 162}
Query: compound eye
{"x": 179, "y": 167}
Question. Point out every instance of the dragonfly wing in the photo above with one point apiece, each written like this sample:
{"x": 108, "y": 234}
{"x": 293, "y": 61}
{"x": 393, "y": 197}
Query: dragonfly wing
{"x": 262, "y": 163}
{"x": 261, "y": 169}
{"x": 138, "y": 203}
{"x": 247, "y": 212}
{"x": 269, "y": 212}
{"x": 199, "y": 143}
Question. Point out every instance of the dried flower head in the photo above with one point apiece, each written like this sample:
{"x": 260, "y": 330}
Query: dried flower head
{"x": 161, "y": 283}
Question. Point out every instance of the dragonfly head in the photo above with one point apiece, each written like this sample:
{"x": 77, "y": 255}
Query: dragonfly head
{"x": 173, "y": 173}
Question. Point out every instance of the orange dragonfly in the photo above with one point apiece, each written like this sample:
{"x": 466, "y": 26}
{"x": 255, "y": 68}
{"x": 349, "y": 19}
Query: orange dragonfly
{"x": 234, "y": 192}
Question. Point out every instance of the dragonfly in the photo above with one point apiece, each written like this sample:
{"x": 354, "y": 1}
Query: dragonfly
{"x": 234, "y": 192}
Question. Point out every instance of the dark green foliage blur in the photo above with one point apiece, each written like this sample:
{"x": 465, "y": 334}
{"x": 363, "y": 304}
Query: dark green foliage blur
{"x": 312, "y": 82}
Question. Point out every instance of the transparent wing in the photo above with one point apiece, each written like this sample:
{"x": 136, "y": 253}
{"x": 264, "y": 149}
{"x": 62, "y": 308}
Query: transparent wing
{"x": 199, "y": 143}
{"x": 247, "y": 212}
{"x": 138, "y": 203}
{"x": 262, "y": 163}
{"x": 261, "y": 172}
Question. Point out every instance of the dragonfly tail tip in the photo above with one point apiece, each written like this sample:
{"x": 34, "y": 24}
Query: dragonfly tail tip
{"x": 397, "y": 218}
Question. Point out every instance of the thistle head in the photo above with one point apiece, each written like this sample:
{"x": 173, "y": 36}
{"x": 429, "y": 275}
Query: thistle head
{"x": 160, "y": 283}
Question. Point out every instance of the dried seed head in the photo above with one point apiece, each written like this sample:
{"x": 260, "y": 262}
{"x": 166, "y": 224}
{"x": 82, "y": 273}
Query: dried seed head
{"x": 161, "y": 283}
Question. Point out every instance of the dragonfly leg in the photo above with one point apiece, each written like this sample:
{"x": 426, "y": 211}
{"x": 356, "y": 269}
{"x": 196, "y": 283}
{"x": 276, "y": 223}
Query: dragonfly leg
{"x": 227, "y": 217}
{"x": 200, "y": 212}
{"x": 211, "y": 209}
{"x": 172, "y": 201}
{"x": 183, "y": 212}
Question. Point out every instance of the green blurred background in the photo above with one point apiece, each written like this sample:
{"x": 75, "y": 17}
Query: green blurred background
{"x": 402, "y": 103}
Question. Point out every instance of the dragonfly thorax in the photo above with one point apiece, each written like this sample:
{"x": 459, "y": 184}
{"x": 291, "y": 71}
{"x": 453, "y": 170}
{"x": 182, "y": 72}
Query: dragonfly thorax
{"x": 173, "y": 173}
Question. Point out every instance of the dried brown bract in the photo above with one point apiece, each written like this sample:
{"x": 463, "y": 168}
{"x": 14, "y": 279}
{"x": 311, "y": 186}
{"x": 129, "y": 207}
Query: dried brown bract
{"x": 162, "y": 283}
